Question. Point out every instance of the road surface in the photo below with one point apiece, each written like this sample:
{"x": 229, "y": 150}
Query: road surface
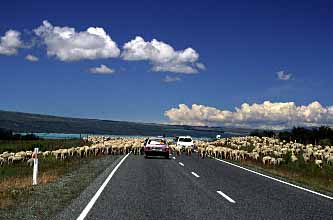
{"x": 187, "y": 187}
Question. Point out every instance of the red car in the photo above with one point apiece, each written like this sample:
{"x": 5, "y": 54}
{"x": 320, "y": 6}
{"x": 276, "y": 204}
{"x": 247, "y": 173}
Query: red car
{"x": 156, "y": 147}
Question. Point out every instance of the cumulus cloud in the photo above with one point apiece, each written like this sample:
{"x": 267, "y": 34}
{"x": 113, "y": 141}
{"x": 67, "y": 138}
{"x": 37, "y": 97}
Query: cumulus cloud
{"x": 103, "y": 69}
{"x": 10, "y": 42}
{"x": 282, "y": 75}
{"x": 267, "y": 115}
{"x": 169, "y": 79}
{"x": 162, "y": 56}
{"x": 68, "y": 45}
{"x": 31, "y": 58}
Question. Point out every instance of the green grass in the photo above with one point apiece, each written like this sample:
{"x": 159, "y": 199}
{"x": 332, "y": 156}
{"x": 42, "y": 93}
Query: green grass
{"x": 42, "y": 144}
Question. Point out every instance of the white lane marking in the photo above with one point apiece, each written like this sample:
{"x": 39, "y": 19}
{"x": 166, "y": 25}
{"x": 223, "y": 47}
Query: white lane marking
{"x": 174, "y": 158}
{"x": 226, "y": 197}
{"x": 86, "y": 210}
{"x": 280, "y": 181}
{"x": 194, "y": 174}
{"x": 181, "y": 164}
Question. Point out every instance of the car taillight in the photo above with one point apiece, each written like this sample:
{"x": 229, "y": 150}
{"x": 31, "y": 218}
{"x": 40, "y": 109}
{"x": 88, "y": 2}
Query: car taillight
{"x": 147, "y": 148}
{"x": 166, "y": 149}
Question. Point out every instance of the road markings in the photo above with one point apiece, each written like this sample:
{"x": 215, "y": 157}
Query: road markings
{"x": 278, "y": 180}
{"x": 181, "y": 164}
{"x": 226, "y": 197}
{"x": 86, "y": 210}
{"x": 194, "y": 174}
{"x": 174, "y": 158}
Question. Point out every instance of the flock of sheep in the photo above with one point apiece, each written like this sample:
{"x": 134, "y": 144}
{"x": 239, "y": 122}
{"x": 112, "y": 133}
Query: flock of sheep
{"x": 100, "y": 145}
{"x": 269, "y": 151}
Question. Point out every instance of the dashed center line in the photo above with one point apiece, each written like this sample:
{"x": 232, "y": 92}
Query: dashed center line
{"x": 194, "y": 174}
{"x": 226, "y": 197}
{"x": 181, "y": 164}
{"x": 174, "y": 158}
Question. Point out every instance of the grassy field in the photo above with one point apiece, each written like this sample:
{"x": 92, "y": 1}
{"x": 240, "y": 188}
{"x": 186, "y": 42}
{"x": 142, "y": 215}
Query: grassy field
{"x": 42, "y": 144}
{"x": 308, "y": 175}
{"x": 59, "y": 182}
{"x": 16, "y": 180}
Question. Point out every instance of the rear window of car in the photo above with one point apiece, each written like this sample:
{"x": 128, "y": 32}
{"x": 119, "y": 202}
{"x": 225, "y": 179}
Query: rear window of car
{"x": 156, "y": 141}
{"x": 185, "y": 139}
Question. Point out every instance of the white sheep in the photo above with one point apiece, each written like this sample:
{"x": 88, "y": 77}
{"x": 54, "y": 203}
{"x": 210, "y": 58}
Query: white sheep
{"x": 2, "y": 161}
{"x": 30, "y": 162}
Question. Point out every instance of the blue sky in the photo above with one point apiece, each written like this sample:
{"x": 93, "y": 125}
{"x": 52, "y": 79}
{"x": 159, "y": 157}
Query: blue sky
{"x": 242, "y": 44}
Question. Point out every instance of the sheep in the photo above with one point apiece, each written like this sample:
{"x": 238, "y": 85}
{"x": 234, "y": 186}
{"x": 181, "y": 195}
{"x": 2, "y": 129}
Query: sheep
{"x": 15, "y": 159}
{"x": 201, "y": 151}
{"x": 30, "y": 162}
{"x": 279, "y": 160}
{"x": 2, "y": 161}
{"x": 330, "y": 160}
{"x": 266, "y": 160}
{"x": 178, "y": 150}
{"x": 319, "y": 163}
{"x": 306, "y": 158}
{"x": 273, "y": 161}
{"x": 46, "y": 153}
{"x": 293, "y": 158}
{"x": 188, "y": 150}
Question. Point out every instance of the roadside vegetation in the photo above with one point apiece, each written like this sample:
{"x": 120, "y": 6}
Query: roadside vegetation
{"x": 59, "y": 182}
{"x": 299, "y": 172}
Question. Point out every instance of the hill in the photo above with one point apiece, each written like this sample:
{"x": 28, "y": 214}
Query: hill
{"x": 37, "y": 123}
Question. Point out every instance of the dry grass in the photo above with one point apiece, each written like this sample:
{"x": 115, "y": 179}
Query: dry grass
{"x": 11, "y": 187}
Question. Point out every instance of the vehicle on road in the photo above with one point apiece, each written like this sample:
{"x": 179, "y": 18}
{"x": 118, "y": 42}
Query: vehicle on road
{"x": 184, "y": 141}
{"x": 156, "y": 146}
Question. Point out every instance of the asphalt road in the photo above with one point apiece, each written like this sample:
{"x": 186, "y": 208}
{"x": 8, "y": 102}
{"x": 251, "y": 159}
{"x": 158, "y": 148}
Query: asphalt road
{"x": 188, "y": 187}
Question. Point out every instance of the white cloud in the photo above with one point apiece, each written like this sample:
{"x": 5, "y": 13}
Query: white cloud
{"x": 31, "y": 58}
{"x": 266, "y": 115}
{"x": 282, "y": 75}
{"x": 169, "y": 79}
{"x": 103, "y": 69}
{"x": 201, "y": 66}
{"x": 10, "y": 42}
{"x": 162, "y": 56}
{"x": 68, "y": 45}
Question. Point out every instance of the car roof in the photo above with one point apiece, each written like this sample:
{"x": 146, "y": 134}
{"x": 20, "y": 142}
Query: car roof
{"x": 162, "y": 138}
{"x": 185, "y": 137}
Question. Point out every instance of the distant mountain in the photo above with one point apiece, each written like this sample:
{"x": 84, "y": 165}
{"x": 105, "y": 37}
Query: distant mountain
{"x": 36, "y": 123}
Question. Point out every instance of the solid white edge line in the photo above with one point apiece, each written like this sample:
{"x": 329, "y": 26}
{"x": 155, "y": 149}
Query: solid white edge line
{"x": 226, "y": 197}
{"x": 281, "y": 181}
{"x": 181, "y": 164}
{"x": 86, "y": 210}
{"x": 194, "y": 174}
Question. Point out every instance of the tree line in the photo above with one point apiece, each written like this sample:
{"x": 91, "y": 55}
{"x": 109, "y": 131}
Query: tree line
{"x": 10, "y": 135}
{"x": 322, "y": 135}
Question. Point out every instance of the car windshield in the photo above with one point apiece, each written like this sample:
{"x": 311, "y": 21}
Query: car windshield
{"x": 185, "y": 139}
{"x": 156, "y": 141}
